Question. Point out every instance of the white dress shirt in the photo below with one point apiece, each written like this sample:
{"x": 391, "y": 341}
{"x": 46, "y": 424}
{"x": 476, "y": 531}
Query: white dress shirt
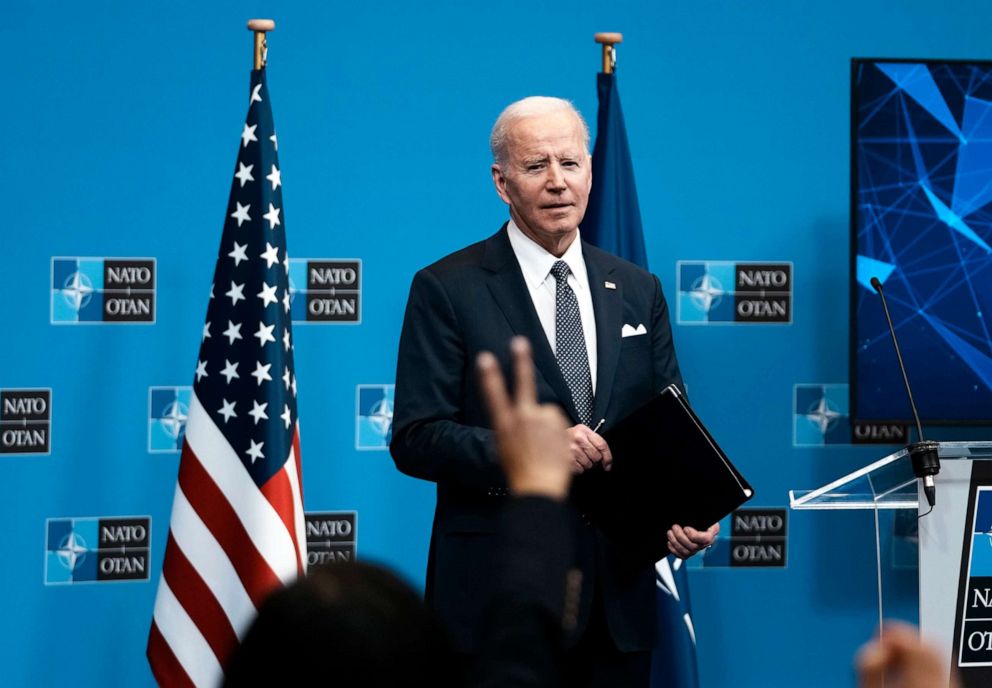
{"x": 535, "y": 263}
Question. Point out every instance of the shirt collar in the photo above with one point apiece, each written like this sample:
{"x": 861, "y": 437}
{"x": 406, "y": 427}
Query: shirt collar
{"x": 535, "y": 261}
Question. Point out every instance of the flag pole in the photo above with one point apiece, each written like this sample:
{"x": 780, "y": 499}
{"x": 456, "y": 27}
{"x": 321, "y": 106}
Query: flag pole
{"x": 260, "y": 27}
{"x": 609, "y": 51}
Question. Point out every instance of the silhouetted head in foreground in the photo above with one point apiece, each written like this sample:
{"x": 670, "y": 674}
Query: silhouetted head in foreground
{"x": 345, "y": 624}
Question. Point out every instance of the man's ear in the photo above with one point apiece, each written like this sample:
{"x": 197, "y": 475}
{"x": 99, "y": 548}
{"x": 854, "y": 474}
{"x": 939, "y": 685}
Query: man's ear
{"x": 499, "y": 181}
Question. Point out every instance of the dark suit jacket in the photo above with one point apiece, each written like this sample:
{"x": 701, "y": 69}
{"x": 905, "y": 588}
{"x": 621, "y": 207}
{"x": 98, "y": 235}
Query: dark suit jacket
{"x": 475, "y": 300}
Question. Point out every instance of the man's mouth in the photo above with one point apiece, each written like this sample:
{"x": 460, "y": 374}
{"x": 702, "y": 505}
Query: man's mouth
{"x": 555, "y": 206}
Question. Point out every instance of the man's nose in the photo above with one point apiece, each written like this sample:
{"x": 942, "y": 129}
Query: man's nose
{"x": 556, "y": 178}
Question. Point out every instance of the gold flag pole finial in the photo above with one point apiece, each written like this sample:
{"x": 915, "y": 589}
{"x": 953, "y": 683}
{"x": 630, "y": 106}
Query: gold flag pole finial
{"x": 609, "y": 52}
{"x": 260, "y": 27}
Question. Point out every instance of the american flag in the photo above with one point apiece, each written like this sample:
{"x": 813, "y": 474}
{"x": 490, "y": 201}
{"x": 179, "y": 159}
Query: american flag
{"x": 237, "y": 528}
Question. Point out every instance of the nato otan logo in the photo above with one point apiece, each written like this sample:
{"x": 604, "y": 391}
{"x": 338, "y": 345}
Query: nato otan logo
{"x": 167, "y": 411}
{"x": 374, "y": 416}
{"x": 727, "y": 292}
{"x": 25, "y": 421}
{"x": 325, "y": 290}
{"x": 332, "y": 536}
{"x": 97, "y": 550}
{"x": 102, "y": 290}
{"x": 820, "y": 417}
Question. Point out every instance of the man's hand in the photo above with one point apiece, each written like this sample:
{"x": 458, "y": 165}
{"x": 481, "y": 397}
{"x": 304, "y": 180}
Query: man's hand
{"x": 531, "y": 438}
{"x": 684, "y": 542}
{"x": 900, "y": 659}
{"x": 588, "y": 449}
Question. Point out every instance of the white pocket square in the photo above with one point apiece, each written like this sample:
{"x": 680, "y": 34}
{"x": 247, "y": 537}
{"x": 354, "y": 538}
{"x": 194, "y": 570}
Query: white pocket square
{"x": 629, "y": 331}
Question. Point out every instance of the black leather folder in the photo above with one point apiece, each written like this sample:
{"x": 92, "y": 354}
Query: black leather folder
{"x": 667, "y": 469}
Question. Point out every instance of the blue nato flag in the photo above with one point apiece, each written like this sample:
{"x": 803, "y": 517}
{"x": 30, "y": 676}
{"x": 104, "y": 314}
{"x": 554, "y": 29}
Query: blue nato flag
{"x": 613, "y": 217}
{"x": 613, "y": 223}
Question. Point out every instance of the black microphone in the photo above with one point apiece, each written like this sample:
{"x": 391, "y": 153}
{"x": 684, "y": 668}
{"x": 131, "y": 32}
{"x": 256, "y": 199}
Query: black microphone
{"x": 926, "y": 462}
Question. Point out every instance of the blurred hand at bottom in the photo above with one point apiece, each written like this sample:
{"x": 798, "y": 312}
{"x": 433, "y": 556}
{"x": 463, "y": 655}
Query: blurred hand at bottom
{"x": 531, "y": 438}
{"x": 899, "y": 658}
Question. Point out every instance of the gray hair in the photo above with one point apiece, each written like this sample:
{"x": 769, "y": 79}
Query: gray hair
{"x": 532, "y": 106}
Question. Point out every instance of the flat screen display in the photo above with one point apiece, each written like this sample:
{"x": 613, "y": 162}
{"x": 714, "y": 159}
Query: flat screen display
{"x": 921, "y": 222}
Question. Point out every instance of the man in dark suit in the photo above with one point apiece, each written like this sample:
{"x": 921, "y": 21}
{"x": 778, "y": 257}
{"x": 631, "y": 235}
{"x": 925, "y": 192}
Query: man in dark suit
{"x": 602, "y": 347}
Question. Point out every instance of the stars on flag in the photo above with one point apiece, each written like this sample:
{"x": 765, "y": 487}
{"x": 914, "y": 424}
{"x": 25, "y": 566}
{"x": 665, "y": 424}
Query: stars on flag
{"x": 262, "y": 372}
{"x": 241, "y": 213}
{"x": 244, "y": 173}
{"x": 272, "y": 216}
{"x": 233, "y": 374}
{"x": 248, "y": 135}
{"x": 271, "y": 255}
{"x": 227, "y": 410}
{"x": 232, "y": 332}
{"x": 258, "y": 411}
{"x": 268, "y": 295}
{"x": 264, "y": 333}
{"x": 236, "y": 292}
{"x": 230, "y": 371}
{"x": 274, "y": 178}
{"x": 255, "y": 450}
{"x": 238, "y": 254}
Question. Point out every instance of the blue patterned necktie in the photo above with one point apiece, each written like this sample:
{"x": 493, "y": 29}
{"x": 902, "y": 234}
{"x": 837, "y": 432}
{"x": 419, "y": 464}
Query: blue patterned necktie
{"x": 570, "y": 343}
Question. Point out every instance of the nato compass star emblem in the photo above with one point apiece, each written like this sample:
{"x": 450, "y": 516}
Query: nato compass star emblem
{"x": 173, "y": 419}
{"x": 68, "y": 555}
{"x": 820, "y": 415}
{"x": 823, "y": 415}
{"x": 381, "y": 416}
{"x": 706, "y": 292}
{"x": 77, "y": 290}
{"x": 374, "y": 423}
{"x": 72, "y": 551}
{"x": 167, "y": 411}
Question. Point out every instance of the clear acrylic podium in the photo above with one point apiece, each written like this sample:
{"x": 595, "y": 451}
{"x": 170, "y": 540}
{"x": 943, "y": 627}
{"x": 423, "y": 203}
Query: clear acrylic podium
{"x": 888, "y": 485}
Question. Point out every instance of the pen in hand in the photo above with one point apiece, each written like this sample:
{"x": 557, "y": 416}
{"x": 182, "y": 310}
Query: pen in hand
{"x": 599, "y": 425}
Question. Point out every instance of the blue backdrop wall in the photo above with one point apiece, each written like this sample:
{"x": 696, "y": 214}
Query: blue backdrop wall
{"x": 120, "y": 128}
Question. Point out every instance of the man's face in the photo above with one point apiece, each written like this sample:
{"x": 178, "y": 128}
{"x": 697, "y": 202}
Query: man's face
{"x": 546, "y": 179}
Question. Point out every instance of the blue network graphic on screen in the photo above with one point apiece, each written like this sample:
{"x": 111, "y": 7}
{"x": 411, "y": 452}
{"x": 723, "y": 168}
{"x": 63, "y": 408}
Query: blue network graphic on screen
{"x": 922, "y": 219}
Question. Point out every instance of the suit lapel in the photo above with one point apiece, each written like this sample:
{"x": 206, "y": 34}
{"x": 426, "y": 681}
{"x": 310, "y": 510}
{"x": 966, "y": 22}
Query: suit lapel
{"x": 608, "y": 306}
{"x": 511, "y": 295}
